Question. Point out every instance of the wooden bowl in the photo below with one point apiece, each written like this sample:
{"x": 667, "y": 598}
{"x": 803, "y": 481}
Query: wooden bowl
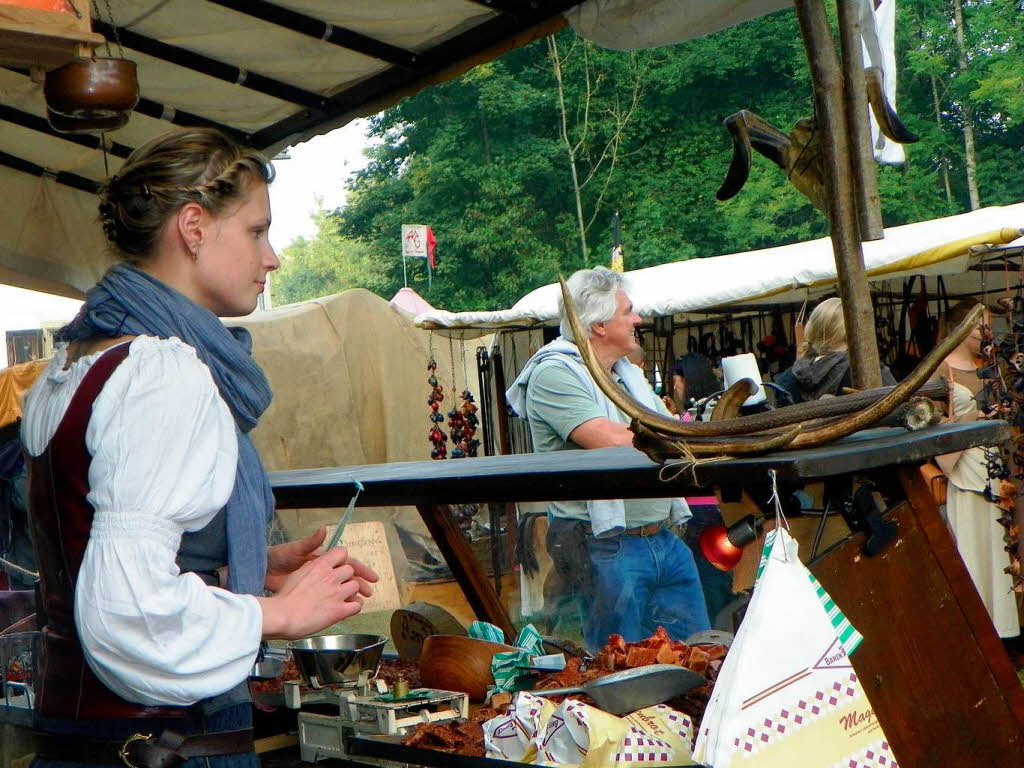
{"x": 454, "y": 663}
{"x": 90, "y": 89}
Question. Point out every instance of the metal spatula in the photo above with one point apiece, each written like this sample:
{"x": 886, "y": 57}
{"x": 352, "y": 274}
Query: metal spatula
{"x": 631, "y": 689}
{"x": 339, "y": 530}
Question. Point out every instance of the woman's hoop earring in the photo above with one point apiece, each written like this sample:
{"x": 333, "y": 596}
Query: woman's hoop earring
{"x": 195, "y": 254}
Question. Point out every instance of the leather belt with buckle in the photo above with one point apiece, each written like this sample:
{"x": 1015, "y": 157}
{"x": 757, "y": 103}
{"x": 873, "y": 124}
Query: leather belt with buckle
{"x": 143, "y": 750}
{"x": 648, "y": 530}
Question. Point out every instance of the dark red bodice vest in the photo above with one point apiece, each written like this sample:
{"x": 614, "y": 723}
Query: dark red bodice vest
{"x": 61, "y": 519}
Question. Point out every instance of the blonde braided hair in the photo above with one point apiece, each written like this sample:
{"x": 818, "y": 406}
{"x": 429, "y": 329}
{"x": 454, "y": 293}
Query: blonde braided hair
{"x": 200, "y": 165}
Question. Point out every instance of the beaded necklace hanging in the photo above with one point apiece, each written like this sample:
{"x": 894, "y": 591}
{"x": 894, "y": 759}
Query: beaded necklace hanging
{"x": 1003, "y": 373}
{"x": 462, "y": 421}
{"x": 437, "y": 438}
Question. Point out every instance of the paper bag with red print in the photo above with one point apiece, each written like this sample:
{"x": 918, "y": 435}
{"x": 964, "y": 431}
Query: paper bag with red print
{"x": 787, "y": 693}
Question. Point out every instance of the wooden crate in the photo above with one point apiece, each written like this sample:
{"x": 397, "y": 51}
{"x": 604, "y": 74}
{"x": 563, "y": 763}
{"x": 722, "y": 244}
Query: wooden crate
{"x": 32, "y": 34}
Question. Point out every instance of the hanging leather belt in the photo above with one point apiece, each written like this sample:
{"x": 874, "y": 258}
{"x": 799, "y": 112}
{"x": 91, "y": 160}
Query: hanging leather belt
{"x": 143, "y": 750}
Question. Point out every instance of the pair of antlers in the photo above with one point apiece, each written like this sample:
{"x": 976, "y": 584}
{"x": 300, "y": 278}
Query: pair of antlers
{"x": 799, "y": 153}
{"x": 795, "y": 426}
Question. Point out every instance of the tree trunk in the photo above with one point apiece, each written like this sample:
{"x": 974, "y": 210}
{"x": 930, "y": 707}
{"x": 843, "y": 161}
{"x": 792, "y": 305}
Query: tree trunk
{"x": 557, "y": 64}
{"x": 971, "y": 160}
{"x": 945, "y": 160}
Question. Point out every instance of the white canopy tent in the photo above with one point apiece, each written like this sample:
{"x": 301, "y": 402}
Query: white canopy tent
{"x": 273, "y": 74}
{"x": 788, "y": 273}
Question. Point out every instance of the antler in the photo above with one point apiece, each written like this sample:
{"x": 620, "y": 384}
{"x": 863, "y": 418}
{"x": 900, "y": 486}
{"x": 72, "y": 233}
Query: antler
{"x": 655, "y": 432}
{"x": 899, "y": 394}
{"x": 749, "y": 130}
{"x": 728, "y": 405}
{"x": 885, "y": 115}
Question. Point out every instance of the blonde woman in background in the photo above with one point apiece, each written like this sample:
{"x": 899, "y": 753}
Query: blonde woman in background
{"x": 972, "y": 518}
{"x": 823, "y": 363}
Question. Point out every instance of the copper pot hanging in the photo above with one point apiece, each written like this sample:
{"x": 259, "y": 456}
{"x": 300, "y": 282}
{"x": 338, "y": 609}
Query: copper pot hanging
{"x": 90, "y": 95}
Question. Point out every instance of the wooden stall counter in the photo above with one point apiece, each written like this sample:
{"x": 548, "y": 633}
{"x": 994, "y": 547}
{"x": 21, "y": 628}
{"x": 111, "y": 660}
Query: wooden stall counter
{"x": 933, "y": 667}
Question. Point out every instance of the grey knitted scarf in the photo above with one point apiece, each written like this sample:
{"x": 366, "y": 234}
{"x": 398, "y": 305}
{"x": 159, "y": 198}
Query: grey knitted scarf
{"x": 128, "y": 301}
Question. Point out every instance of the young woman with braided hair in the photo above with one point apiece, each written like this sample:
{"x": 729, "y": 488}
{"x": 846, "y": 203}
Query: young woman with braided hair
{"x": 148, "y": 501}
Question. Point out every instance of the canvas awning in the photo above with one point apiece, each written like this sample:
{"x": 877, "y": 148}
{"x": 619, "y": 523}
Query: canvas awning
{"x": 273, "y": 74}
{"x": 949, "y": 246}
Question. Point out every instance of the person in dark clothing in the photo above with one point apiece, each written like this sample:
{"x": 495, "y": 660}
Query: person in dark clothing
{"x": 692, "y": 380}
{"x": 823, "y": 362}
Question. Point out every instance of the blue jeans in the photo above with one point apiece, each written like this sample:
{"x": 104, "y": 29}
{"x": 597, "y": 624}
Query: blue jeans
{"x": 639, "y": 584}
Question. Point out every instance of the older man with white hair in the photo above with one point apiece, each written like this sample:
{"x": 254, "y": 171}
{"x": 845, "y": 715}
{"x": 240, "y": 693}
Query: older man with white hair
{"x": 630, "y": 571}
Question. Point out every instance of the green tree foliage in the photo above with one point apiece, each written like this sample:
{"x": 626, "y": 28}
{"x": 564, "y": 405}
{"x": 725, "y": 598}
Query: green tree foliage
{"x": 482, "y": 158}
{"x": 328, "y": 263}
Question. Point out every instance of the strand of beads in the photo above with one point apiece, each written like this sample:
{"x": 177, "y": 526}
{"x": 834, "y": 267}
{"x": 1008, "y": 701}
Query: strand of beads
{"x": 463, "y": 423}
{"x": 436, "y": 437}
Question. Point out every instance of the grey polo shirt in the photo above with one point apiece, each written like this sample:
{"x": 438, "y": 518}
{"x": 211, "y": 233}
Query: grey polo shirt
{"x": 556, "y": 403}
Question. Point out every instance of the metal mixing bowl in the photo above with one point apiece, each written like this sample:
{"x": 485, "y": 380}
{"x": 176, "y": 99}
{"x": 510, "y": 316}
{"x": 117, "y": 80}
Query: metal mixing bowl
{"x": 334, "y": 659}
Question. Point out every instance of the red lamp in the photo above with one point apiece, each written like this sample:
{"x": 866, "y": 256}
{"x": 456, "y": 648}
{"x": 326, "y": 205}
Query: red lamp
{"x": 723, "y": 547}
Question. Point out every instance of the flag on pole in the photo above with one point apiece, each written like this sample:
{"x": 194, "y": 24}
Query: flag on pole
{"x": 431, "y": 244}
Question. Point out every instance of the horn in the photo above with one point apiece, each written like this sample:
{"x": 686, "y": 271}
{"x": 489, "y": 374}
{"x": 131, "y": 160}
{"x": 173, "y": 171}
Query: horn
{"x": 899, "y": 394}
{"x": 728, "y": 405}
{"x": 743, "y": 425}
{"x": 750, "y": 131}
{"x": 660, "y": 448}
{"x": 652, "y": 419}
{"x": 739, "y": 167}
{"x": 890, "y": 125}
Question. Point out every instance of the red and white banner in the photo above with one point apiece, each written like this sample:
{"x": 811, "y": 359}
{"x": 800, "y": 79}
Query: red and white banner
{"x": 418, "y": 242}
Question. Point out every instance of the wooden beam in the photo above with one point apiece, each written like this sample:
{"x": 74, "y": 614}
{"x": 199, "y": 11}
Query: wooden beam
{"x": 853, "y": 285}
{"x": 444, "y": 62}
{"x": 160, "y": 111}
{"x": 855, "y": 102}
{"x": 963, "y": 590}
{"x": 466, "y": 568}
{"x": 197, "y": 62}
{"x": 501, "y": 416}
{"x": 321, "y": 30}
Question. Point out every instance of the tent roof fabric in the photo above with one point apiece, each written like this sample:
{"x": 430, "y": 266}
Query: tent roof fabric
{"x": 787, "y": 273}
{"x": 273, "y": 74}
{"x": 409, "y": 301}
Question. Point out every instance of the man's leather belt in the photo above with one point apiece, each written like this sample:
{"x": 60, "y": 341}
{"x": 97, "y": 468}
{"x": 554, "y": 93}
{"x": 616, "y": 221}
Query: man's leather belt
{"x": 143, "y": 750}
{"x": 644, "y": 530}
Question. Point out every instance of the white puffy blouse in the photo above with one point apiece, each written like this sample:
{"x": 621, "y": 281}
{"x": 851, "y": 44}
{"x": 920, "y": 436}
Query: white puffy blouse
{"x": 164, "y": 454}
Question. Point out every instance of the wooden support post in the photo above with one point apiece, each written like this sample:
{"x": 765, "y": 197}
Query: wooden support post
{"x": 936, "y": 675}
{"x": 855, "y": 102}
{"x": 853, "y": 285}
{"x": 466, "y": 568}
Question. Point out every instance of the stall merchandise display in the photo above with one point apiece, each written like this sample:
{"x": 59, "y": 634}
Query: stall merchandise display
{"x": 437, "y": 438}
{"x": 1003, "y": 375}
{"x": 462, "y": 423}
{"x": 614, "y": 656}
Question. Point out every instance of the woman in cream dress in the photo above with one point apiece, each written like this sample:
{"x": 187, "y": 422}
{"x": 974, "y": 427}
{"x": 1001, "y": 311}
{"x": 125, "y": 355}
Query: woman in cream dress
{"x": 972, "y": 518}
